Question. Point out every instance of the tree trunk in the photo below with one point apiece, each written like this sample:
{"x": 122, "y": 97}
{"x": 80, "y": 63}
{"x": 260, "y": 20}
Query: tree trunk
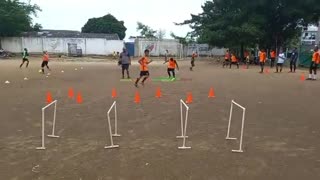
{"x": 241, "y": 52}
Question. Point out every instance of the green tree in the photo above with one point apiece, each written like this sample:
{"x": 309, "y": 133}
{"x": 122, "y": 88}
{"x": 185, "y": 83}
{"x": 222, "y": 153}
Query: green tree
{"x": 146, "y": 31}
{"x": 15, "y": 17}
{"x": 240, "y": 23}
{"x": 161, "y": 33}
{"x": 107, "y": 24}
{"x": 37, "y": 27}
{"x": 183, "y": 40}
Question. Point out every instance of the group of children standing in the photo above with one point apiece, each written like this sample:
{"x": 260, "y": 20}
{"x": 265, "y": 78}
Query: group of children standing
{"x": 230, "y": 59}
{"x": 45, "y": 60}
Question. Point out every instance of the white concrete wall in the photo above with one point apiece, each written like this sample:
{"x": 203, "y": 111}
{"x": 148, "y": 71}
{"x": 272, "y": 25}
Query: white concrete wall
{"x": 12, "y": 44}
{"x": 89, "y": 46}
{"x": 157, "y": 48}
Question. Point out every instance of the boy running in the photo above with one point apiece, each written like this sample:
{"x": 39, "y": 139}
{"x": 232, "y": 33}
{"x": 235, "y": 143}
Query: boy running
{"x": 25, "y": 55}
{"x": 262, "y": 58}
{"x": 281, "y": 59}
{"x": 144, "y": 72}
{"x": 193, "y": 58}
{"x": 171, "y": 67}
{"x": 293, "y": 60}
{"x": 45, "y": 61}
{"x": 234, "y": 61}
{"x": 314, "y": 64}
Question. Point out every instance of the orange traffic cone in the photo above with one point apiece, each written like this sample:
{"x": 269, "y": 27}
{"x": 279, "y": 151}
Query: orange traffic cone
{"x": 189, "y": 98}
{"x": 114, "y": 93}
{"x": 158, "y": 93}
{"x": 79, "y": 98}
{"x": 137, "y": 98}
{"x": 70, "y": 93}
{"x": 49, "y": 97}
{"x": 302, "y": 77}
{"x": 211, "y": 93}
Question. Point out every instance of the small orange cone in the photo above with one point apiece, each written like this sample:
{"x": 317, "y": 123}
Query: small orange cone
{"x": 211, "y": 93}
{"x": 49, "y": 97}
{"x": 189, "y": 98}
{"x": 137, "y": 98}
{"x": 158, "y": 93}
{"x": 79, "y": 98}
{"x": 302, "y": 77}
{"x": 267, "y": 71}
{"x": 114, "y": 93}
{"x": 70, "y": 93}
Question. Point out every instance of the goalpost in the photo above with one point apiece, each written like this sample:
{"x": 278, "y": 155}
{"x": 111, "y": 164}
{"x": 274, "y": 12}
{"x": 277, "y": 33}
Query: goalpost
{"x": 242, "y": 125}
{"x": 53, "y": 124}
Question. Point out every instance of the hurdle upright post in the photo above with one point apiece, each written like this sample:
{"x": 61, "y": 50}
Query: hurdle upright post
{"x": 229, "y": 124}
{"x": 185, "y": 128}
{"x": 241, "y": 135}
{"x": 115, "y": 121}
{"x": 42, "y": 133}
{"x": 54, "y": 121}
{"x": 181, "y": 118}
{"x": 110, "y": 130}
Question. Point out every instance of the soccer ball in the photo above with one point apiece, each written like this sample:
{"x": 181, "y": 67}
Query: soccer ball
{"x": 40, "y": 71}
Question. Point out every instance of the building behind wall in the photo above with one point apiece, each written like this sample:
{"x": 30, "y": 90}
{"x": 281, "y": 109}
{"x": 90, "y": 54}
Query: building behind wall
{"x": 64, "y": 42}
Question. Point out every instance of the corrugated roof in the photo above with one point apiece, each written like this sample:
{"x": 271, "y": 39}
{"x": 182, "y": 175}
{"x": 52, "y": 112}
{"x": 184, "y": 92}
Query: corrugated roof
{"x": 69, "y": 34}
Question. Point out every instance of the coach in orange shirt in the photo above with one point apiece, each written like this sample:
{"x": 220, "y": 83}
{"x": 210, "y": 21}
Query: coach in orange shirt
{"x": 314, "y": 64}
{"x": 262, "y": 58}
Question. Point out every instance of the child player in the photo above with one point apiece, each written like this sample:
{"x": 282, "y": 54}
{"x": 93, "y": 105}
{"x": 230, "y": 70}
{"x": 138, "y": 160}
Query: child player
{"x": 281, "y": 59}
{"x": 234, "y": 60}
{"x": 314, "y": 64}
{"x": 144, "y": 72}
{"x": 45, "y": 61}
{"x": 25, "y": 55}
{"x": 262, "y": 58}
{"x": 193, "y": 58}
{"x": 172, "y": 64}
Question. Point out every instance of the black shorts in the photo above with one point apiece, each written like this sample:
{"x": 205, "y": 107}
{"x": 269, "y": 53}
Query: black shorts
{"x": 279, "y": 64}
{"x": 234, "y": 63}
{"x": 144, "y": 73}
{"x": 25, "y": 59}
{"x": 192, "y": 63}
{"x": 44, "y": 63}
{"x": 125, "y": 66}
{"x": 170, "y": 69}
{"x": 273, "y": 59}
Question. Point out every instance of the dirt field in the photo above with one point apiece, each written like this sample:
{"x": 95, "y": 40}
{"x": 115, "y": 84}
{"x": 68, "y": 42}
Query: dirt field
{"x": 281, "y": 138}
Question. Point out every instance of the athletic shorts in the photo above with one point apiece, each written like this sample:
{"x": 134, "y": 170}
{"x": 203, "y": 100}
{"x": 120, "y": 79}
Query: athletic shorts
{"x": 273, "y": 59}
{"x": 125, "y": 66}
{"x": 234, "y": 62}
{"x": 279, "y": 64}
{"x": 192, "y": 63}
{"x": 44, "y": 63}
{"x": 170, "y": 69}
{"x": 25, "y": 59}
{"x": 144, "y": 73}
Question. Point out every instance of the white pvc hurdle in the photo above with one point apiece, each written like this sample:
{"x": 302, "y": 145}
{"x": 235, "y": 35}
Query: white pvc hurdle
{"x": 242, "y": 125}
{"x": 184, "y": 124}
{"x": 53, "y": 124}
{"x": 114, "y": 105}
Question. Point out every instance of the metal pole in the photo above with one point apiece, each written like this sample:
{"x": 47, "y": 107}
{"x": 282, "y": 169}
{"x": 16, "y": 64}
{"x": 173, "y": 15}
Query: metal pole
{"x": 110, "y": 133}
{"x": 241, "y": 136}
{"x": 54, "y": 121}
{"x": 42, "y": 144}
{"x": 229, "y": 124}
{"x": 181, "y": 117}
{"x": 115, "y": 120}
{"x": 185, "y": 131}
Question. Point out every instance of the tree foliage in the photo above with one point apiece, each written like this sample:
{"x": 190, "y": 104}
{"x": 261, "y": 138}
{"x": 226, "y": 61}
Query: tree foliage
{"x": 161, "y": 33}
{"x": 107, "y": 24}
{"x": 15, "y": 17}
{"x": 188, "y": 39}
{"x": 146, "y": 31}
{"x": 230, "y": 23}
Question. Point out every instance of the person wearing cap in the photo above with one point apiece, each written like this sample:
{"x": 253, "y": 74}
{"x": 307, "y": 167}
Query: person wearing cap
{"x": 125, "y": 62}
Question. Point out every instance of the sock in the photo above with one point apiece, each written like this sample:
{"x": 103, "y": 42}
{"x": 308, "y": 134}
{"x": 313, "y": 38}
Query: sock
{"x": 310, "y": 76}
{"x": 314, "y": 76}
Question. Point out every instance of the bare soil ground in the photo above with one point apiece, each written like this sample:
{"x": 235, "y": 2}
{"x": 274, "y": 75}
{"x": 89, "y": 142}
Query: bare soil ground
{"x": 281, "y": 137}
